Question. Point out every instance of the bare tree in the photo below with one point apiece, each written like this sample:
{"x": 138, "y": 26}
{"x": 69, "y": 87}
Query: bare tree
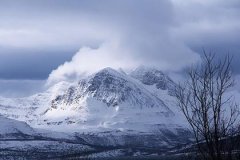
{"x": 210, "y": 111}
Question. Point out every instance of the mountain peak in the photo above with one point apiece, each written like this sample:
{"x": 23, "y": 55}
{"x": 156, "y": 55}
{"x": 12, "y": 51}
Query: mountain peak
{"x": 143, "y": 68}
{"x": 109, "y": 71}
{"x": 153, "y": 76}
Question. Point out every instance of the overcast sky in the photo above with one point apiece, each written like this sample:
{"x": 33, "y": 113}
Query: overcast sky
{"x": 62, "y": 38}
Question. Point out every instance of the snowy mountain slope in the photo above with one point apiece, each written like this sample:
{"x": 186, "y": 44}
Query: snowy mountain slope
{"x": 151, "y": 76}
{"x": 30, "y": 108}
{"x": 11, "y": 128}
{"x": 161, "y": 85}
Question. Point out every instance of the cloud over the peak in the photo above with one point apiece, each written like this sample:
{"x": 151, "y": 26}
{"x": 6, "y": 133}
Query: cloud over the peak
{"x": 135, "y": 33}
{"x": 89, "y": 60}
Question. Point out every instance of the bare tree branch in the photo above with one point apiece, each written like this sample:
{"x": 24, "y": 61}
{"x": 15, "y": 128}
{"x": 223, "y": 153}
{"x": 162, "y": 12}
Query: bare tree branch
{"x": 210, "y": 112}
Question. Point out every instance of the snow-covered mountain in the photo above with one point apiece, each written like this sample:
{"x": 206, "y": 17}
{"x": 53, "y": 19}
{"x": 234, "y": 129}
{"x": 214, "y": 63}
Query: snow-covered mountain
{"x": 107, "y": 99}
{"x": 108, "y": 108}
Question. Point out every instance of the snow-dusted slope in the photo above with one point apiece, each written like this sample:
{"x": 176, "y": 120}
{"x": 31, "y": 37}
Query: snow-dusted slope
{"x": 152, "y": 76}
{"x": 161, "y": 85}
{"x": 10, "y": 127}
{"x": 30, "y": 108}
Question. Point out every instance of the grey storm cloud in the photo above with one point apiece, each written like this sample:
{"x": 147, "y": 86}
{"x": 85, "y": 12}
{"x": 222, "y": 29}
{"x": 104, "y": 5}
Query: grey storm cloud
{"x": 168, "y": 34}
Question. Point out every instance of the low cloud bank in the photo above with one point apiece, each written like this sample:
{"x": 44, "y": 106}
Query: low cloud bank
{"x": 89, "y": 60}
